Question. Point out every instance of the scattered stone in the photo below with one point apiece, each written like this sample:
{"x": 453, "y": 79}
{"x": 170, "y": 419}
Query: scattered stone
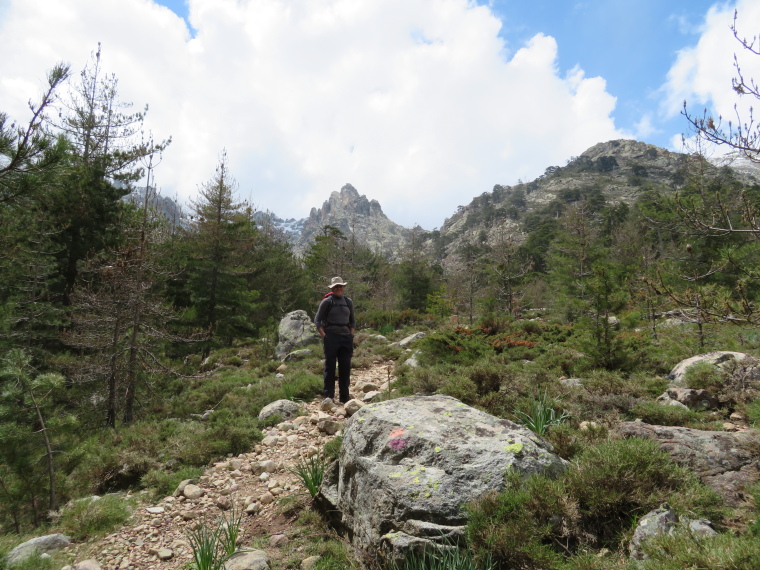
{"x": 181, "y": 487}
{"x": 192, "y": 492}
{"x": 327, "y": 405}
{"x": 89, "y": 564}
{"x": 664, "y": 520}
{"x": 353, "y": 406}
{"x": 277, "y": 540}
{"x": 247, "y": 560}
{"x": 188, "y": 515}
{"x": 297, "y": 355}
{"x": 310, "y": 563}
{"x": 329, "y": 427}
{"x": 155, "y": 510}
{"x": 224, "y": 503}
{"x": 410, "y": 339}
{"x": 165, "y": 554}
{"x": 284, "y": 408}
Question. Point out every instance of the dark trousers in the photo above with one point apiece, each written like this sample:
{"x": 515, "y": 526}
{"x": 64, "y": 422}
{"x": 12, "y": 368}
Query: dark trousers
{"x": 338, "y": 347}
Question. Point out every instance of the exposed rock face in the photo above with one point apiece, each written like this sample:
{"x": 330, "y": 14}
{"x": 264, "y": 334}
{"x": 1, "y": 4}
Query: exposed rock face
{"x": 408, "y": 466}
{"x": 296, "y": 331}
{"x": 356, "y": 216}
{"x": 621, "y": 169}
{"x": 726, "y": 462}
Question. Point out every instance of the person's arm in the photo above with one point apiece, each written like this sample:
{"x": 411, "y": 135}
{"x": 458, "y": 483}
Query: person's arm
{"x": 351, "y": 317}
{"x": 319, "y": 318}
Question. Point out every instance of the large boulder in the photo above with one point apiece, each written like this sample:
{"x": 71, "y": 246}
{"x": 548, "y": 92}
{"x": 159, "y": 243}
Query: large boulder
{"x": 41, "y": 545}
{"x": 296, "y": 331}
{"x": 719, "y": 358}
{"x": 726, "y": 462}
{"x": 408, "y": 466}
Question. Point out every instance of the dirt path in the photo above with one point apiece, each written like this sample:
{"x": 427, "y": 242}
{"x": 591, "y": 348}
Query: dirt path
{"x": 161, "y": 527}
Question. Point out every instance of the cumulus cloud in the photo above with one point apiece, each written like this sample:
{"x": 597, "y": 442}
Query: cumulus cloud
{"x": 701, "y": 75}
{"x": 419, "y": 104}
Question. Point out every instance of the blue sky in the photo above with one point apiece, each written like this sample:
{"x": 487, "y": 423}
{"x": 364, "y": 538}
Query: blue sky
{"x": 420, "y": 104}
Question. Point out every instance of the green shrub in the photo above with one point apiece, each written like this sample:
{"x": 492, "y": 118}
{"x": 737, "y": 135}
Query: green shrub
{"x": 617, "y": 481}
{"x": 705, "y": 376}
{"x": 163, "y": 482}
{"x": 487, "y": 377}
{"x": 569, "y": 441}
{"x": 663, "y": 415}
{"x": 332, "y": 448}
{"x": 683, "y": 550}
{"x": 458, "y": 345}
{"x": 88, "y": 518}
{"x": 461, "y": 388}
{"x": 512, "y": 527}
{"x": 230, "y": 434}
{"x": 753, "y": 413}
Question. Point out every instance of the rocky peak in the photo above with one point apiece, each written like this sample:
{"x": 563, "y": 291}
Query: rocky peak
{"x": 354, "y": 215}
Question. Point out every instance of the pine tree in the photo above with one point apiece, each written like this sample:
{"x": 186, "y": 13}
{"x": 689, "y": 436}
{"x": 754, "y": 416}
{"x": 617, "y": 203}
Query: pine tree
{"x": 221, "y": 237}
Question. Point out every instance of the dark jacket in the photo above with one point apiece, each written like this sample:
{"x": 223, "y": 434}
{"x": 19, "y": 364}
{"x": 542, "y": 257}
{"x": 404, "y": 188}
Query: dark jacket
{"x": 336, "y": 315}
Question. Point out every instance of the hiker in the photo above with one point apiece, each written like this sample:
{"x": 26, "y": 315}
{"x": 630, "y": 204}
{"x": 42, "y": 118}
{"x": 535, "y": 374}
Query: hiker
{"x": 336, "y": 323}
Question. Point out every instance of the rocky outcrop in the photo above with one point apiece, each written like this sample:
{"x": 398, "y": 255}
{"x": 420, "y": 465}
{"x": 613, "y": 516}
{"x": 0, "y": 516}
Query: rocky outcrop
{"x": 662, "y": 521}
{"x": 693, "y": 399}
{"x": 721, "y": 359}
{"x": 358, "y": 218}
{"x": 40, "y": 545}
{"x": 726, "y": 462}
{"x": 408, "y": 466}
{"x": 296, "y": 331}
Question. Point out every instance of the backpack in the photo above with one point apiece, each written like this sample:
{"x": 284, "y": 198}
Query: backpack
{"x": 330, "y": 294}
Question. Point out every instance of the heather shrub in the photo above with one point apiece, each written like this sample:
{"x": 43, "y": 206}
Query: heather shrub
{"x": 662, "y": 415}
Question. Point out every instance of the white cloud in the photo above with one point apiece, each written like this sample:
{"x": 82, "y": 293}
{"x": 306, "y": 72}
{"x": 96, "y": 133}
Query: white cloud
{"x": 417, "y": 103}
{"x": 702, "y": 74}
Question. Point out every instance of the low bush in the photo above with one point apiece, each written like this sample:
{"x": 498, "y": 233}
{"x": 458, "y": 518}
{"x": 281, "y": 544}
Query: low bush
{"x": 511, "y": 528}
{"x": 163, "y": 482}
{"x": 458, "y": 345}
{"x": 617, "y": 481}
{"x": 88, "y": 518}
{"x": 683, "y": 550}
{"x": 662, "y": 415}
{"x": 705, "y": 376}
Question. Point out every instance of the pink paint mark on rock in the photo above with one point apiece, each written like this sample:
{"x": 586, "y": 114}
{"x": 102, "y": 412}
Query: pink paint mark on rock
{"x": 397, "y": 444}
{"x": 397, "y": 433}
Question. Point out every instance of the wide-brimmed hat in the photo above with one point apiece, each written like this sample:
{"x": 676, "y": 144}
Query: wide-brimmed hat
{"x": 337, "y": 281}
